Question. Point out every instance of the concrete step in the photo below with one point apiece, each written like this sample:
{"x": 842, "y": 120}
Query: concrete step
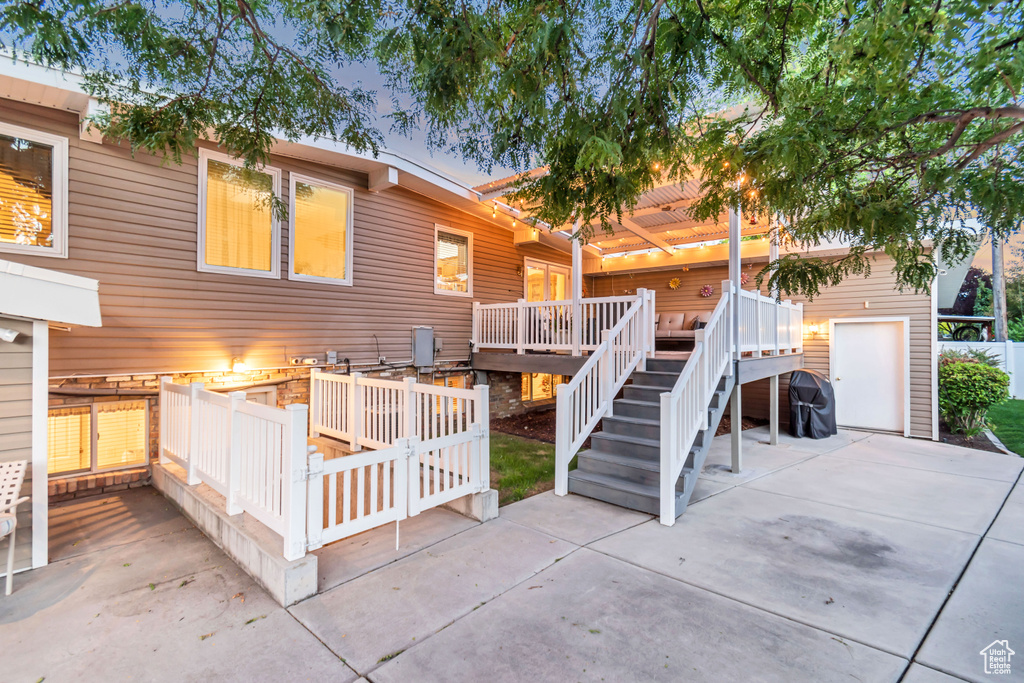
{"x": 665, "y": 365}
{"x": 624, "y": 467}
{"x": 654, "y": 379}
{"x": 632, "y": 426}
{"x": 632, "y": 408}
{"x": 649, "y": 449}
{"x": 644, "y": 393}
{"x": 620, "y": 492}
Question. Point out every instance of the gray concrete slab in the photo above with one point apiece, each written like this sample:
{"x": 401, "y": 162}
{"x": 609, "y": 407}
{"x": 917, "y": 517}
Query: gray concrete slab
{"x": 572, "y": 518}
{"x": 1009, "y": 524}
{"x": 169, "y": 608}
{"x": 874, "y": 579}
{"x": 936, "y": 457}
{"x": 922, "y": 674}
{"x": 707, "y": 487}
{"x": 987, "y": 605}
{"x": 385, "y": 612}
{"x": 88, "y": 524}
{"x": 816, "y": 446}
{"x": 562, "y": 626}
{"x": 352, "y": 557}
{"x": 947, "y": 500}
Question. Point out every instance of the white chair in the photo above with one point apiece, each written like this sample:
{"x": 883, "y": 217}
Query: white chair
{"x": 12, "y": 475}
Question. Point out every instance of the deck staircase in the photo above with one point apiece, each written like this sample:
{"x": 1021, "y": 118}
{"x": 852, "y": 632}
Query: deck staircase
{"x": 623, "y": 465}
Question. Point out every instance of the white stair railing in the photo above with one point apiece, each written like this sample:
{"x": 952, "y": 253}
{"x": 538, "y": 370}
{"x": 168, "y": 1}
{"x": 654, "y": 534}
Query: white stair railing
{"x": 767, "y": 325}
{"x": 684, "y": 409}
{"x": 588, "y": 396}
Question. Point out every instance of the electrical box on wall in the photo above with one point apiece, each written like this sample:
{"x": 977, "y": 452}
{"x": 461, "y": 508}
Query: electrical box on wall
{"x": 423, "y": 347}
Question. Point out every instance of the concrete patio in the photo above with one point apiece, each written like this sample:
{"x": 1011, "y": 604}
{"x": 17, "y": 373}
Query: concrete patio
{"x": 861, "y": 557}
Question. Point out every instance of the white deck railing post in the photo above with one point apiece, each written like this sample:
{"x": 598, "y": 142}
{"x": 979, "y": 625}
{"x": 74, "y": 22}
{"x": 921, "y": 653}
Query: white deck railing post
{"x": 562, "y": 408}
{"x": 482, "y": 414}
{"x": 293, "y": 489}
{"x": 410, "y": 410}
{"x": 163, "y": 406}
{"x": 520, "y": 326}
{"x": 355, "y": 412}
{"x": 315, "y": 499}
{"x": 410, "y": 447}
{"x": 474, "y": 342}
{"x": 316, "y": 399}
{"x": 234, "y": 473}
{"x": 194, "y": 427}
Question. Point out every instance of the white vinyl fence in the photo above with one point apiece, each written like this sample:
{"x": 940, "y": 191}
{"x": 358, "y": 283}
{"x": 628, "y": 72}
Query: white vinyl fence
{"x": 253, "y": 455}
{"x": 1009, "y": 355}
{"x": 434, "y": 447}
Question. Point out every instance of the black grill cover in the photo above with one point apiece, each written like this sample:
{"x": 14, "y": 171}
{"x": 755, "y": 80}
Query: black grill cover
{"x": 812, "y": 405}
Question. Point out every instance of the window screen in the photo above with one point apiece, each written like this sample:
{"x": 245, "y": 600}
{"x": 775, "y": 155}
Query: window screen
{"x": 452, "y": 262}
{"x": 320, "y": 231}
{"x": 26, "y": 192}
{"x": 239, "y": 218}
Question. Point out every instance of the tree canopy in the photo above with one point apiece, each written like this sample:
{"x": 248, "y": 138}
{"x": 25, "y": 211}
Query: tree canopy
{"x": 883, "y": 124}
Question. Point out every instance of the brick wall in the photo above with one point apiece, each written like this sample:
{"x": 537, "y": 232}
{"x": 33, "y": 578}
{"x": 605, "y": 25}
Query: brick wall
{"x": 506, "y": 394}
{"x": 292, "y": 387}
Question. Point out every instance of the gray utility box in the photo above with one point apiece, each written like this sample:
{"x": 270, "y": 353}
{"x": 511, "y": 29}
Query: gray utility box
{"x": 423, "y": 347}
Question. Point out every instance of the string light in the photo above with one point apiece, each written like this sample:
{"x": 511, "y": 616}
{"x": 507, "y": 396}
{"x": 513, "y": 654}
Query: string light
{"x": 494, "y": 211}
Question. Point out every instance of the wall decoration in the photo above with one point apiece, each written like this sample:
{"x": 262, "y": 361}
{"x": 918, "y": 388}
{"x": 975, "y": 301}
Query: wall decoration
{"x": 744, "y": 278}
{"x": 674, "y": 283}
{"x": 706, "y": 290}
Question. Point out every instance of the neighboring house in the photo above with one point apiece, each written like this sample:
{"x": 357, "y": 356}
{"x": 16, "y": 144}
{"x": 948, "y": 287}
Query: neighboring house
{"x": 199, "y": 282}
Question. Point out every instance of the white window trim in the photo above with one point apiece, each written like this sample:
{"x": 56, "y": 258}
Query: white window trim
{"x": 438, "y": 228}
{"x": 294, "y": 178}
{"x": 59, "y": 201}
{"x": 205, "y": 155}
{"x": 546, "y": 265}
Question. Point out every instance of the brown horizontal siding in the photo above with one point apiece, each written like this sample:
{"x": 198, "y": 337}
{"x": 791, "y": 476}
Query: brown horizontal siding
{"x": 133, "y": 228}
{"x": 16, "y": 427}
{"x": 846, "y": 300}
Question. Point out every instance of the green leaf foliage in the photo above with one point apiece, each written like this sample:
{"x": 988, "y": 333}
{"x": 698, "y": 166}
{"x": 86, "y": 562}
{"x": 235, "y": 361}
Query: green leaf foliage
{"x": 966, "y": 392}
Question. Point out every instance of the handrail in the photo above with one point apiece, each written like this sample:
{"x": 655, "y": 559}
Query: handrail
{"x": 588, "y": 396}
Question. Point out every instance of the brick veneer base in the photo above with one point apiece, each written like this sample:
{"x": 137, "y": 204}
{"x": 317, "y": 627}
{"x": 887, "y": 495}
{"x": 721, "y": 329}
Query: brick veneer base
{"x": 95, "y": 484}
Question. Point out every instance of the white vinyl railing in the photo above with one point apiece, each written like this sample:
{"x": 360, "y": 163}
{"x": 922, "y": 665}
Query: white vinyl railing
{"x": 434, "y": 447}
{"x": 588, "y": 396}
{"x": 376, "y": 413}
{"x": 253, "y": 455}
{"x": 547, "y": 325}
{"x": 684, "y": 409}
{"x": 767, "y": 325}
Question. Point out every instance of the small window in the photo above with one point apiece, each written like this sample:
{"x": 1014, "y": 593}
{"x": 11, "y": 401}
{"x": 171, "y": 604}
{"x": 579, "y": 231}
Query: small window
{"x": 238, "y": 233}
{"x": 452, "y": 382}
{"x": 33, "y": 192}
{"x": 321, "y": 231}
{"x": 453, "y": 255}
{"x": 98, "y": 437}
{"x": 540, "y": 387}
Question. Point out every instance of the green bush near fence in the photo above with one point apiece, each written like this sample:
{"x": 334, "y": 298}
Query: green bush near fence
{"x": 967, "y": 389}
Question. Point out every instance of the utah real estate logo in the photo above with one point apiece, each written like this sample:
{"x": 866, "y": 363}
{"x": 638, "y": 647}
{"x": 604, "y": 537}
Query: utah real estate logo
{"x": 997, "y": 657}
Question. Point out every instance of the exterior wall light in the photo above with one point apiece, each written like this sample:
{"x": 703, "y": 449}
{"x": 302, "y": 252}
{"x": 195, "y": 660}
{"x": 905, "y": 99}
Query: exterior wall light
{"x": 8, "y": 335}
{"x": 238, "y": 365}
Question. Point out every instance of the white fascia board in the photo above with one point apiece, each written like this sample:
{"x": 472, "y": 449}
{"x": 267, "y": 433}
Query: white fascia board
{"x": 41, "y": 294}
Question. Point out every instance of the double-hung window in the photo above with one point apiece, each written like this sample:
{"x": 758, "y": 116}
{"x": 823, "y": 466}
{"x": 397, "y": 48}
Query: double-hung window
{"x": 33, "y": 192}
{"x": 453, "y": 261}
{"x": 320, "y": 245}
{"x": 238, "y": 232}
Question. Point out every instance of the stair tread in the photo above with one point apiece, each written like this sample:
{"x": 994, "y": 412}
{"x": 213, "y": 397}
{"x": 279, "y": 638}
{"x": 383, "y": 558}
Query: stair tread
{"x": 639, "y": 463}
{"x": 632, "y": 420}
{"x": 627, "y": 439}
{"x": 656, "y": 372}
{"x": 649, "y": 491}
{"x": 636, "y": 402}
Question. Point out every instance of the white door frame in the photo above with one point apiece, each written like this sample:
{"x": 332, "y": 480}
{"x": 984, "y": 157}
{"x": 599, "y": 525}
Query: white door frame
{"x": 540, "y": 263}
{"x": 905, "y": 320}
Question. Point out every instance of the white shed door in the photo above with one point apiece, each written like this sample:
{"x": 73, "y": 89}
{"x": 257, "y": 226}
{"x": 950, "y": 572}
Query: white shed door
{"x": 868, "y": 375}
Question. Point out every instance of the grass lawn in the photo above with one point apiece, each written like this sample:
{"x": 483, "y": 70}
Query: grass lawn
{"x": 1007, "y": 420}
{"x": 521, "y": 467}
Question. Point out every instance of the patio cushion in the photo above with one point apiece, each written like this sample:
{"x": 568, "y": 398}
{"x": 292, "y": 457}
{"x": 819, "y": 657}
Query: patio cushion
{"x": 7, "y": 522}
{"x": 671, "y": 321}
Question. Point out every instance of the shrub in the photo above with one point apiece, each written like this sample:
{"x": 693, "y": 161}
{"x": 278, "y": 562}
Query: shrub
{"x": 966, "y": 391}
{"x": 968, "y": 356}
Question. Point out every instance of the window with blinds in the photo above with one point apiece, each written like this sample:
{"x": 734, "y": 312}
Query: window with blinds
{"x": 540, "y": 387}
{"x": 321, "y": 231}
{"x": 453, "y": 254}
{"x": 32, "y": 171}
{"x": 98, "y": 437}
{"x": 239, "y": 232}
